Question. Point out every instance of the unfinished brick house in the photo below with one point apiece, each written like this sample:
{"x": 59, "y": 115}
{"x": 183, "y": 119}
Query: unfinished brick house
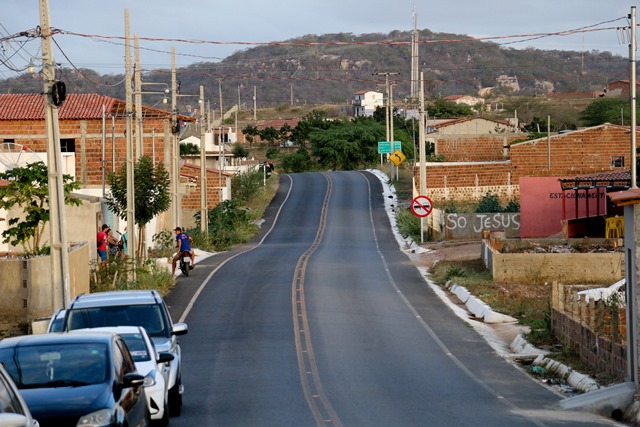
{"x": 92, "y": 137}
{"x": 596, "y": 150}
{"x": 603, "y": 148}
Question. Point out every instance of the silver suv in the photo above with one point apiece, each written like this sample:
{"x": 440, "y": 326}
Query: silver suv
{"x": 134, "y": 308}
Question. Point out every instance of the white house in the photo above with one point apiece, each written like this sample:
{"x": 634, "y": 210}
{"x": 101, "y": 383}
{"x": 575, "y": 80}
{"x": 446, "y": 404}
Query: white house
{"x": 366, "y": 102}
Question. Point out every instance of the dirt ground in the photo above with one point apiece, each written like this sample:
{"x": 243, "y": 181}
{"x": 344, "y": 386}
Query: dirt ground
{"x": 451, "y": 251}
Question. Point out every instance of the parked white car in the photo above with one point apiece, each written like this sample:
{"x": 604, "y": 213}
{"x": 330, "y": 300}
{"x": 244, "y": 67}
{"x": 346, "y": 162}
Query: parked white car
{"x": 13, "y": 410}
{"x": 153, "y": 365}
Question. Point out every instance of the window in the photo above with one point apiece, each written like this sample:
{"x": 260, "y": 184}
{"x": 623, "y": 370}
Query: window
{"x": 617, "y": 161}
{"x": 67, "y": 145}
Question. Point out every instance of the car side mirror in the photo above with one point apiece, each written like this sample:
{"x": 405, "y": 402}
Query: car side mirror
{"x": 179, "y": 329}
{"x": 132, "y": 380}
{"x": 18, "y": 420}
{"x": 165, "y": 357}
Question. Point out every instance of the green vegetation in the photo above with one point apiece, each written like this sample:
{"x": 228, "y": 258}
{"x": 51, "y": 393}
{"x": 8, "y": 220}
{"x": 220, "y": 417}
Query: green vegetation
{"x": 606, "y": 110}
{"x": 189, "y": 148}
{"x": 151, "y": 192}
{"x": 114, "y": 275}
{"x": 28, "y": 188}
{"x": 491, "y": 203}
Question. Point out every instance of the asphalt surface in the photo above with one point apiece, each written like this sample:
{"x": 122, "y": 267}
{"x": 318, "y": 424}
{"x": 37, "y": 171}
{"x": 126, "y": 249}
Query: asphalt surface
{"x": 322, "y": 320}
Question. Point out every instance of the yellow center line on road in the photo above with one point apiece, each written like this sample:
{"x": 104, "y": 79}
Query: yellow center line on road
{"x": 317, "y": 400}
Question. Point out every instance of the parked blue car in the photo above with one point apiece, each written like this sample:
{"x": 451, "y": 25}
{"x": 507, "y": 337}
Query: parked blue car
{"x": 75, "y": 379}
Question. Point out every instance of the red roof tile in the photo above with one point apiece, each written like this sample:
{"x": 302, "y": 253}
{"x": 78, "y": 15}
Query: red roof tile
{"x": 77, "y": 106}
{"x": 31, "y": 106}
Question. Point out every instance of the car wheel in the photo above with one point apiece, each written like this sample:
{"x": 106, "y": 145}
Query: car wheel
{"x": 175, "y": 399}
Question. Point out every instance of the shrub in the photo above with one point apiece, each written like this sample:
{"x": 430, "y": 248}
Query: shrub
{"x": 408, "y": 224}
{"x": 489, "y": 203}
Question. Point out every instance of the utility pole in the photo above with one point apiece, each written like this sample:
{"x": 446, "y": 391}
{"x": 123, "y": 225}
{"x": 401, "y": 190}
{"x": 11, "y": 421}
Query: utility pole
{"x": 60, "y": 288}
{"x": 129, "y": 141}
{"x": 415, "y": 37}
{"x": 387, "y": 114}
{"x": 422, "y": 151}
{"x": 137, "y": 77}
{"x": 632, "y": 96}
{"x": 291, "y": 90}
{"x": 204, "y": 223}
{"x": 221, "y": 137}
{"x": 254, "y": 105}
{"x": 175, "y": 129}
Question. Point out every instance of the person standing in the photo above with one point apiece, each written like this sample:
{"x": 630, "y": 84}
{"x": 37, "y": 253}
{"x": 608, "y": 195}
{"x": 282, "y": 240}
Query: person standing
{"x": 112, "y": 243}
{"x": 101, "y": 242}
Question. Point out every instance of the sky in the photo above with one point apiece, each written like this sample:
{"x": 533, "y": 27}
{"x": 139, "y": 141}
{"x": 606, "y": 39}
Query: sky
{"x": 222, "y": 24}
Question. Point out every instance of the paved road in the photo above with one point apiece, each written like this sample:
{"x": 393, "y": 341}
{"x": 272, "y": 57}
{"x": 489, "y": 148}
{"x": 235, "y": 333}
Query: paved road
{"x": 322, "y": 321}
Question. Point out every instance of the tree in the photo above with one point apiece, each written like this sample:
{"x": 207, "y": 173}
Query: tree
{"x": 28, "y": 188}
{"x": 189, "y": 148}
{"x": 348, "y": 145}
{"x": 440, "y": 107}
{"x": 151, "y": 191}
{"x": 239, "y": 151}
{"x": 269, "y": 135}
{"x": 300, "y": 161}
{"x": 250, "y": 132}
{"x": 605, "y": 110}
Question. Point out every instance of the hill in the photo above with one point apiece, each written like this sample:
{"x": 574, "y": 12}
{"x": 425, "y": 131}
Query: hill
{"x": 329, "y": 68}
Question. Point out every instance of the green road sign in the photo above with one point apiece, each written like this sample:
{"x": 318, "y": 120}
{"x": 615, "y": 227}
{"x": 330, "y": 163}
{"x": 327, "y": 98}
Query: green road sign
{"x": 384, "y": 147}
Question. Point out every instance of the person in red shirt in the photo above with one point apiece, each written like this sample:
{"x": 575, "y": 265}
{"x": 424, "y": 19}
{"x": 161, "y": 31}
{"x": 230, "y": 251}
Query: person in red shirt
{"x": 101, "y": 242}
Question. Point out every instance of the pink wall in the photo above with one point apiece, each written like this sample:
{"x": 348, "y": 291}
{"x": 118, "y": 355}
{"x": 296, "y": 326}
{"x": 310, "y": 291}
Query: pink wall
{"x": 541, "y": 206}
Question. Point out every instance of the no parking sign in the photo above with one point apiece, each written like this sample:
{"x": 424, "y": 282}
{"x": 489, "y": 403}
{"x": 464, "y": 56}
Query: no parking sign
{"x": 421, "y": 206}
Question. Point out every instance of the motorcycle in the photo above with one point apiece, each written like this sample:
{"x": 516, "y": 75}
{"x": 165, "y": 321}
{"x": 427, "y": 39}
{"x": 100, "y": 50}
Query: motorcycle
{"x": 185, "y": 263}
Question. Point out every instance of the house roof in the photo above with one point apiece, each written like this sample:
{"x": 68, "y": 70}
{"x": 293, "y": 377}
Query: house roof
{"x": 627, "y": 197}
{"x": 614, "y": 179}
{"x": 465, "y": 119}
{"x": 77, "y": 106}
{"x": 197, "y": 168}
{"x": 277, "y": 124}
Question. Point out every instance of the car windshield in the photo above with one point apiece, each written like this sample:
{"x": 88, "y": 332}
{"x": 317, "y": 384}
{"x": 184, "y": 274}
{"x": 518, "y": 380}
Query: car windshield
{"x": 149, "y": 316}
{"x": 56, "y": 325}
{"x": 137, "y": 347}
{"x": 61, "y": 365}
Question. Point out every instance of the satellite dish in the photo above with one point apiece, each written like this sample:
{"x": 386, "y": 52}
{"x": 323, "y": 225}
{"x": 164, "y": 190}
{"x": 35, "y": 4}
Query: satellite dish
{"x": 16, "y": 156}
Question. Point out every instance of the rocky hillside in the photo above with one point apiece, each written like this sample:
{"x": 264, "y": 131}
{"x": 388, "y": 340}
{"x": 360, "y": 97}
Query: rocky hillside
{"x": 330, "y": 68}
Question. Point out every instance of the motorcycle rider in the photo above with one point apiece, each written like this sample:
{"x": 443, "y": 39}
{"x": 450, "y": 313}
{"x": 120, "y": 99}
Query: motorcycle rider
{"x": 184, "y": 244}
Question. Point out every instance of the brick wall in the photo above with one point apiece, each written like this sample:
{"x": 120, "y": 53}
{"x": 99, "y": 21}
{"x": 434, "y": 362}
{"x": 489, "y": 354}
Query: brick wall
{"x": 215, "y": 181}
{"x": 576, "y": 153}
{"x": 474, "y": 148}
{"x": 87, "y": 135}
{"x": 595, "y": 329}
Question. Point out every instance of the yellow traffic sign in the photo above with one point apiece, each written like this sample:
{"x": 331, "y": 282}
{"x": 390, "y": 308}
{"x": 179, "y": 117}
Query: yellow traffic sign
{"x": 397, "y": 157}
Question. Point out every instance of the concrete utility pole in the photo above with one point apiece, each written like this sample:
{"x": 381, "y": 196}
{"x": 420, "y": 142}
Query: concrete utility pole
{"x": 138, "y": 97}
{"x": 388, "y": 107}
{"x": 254, "y": 104}
{"x": 204, "y": 223}
{"x": 131, "y": 228}
{"x": 221, "y": 136}
{"x": 175, "y": 182}
{"x": 60, "y": 288}
{"x": 415, "y": 37}
{"x": 422, "y": 152}
{"x": 632, "y": 95}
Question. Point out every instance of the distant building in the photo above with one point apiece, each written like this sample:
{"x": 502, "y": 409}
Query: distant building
{"x": 366, "y": 102}
{"x": 472, "y": 101}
